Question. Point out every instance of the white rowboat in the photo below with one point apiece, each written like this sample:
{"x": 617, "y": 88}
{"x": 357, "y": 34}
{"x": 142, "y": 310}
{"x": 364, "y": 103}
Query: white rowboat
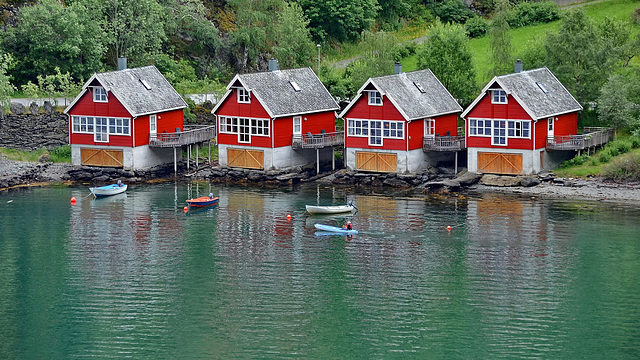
{"x": 108, "y": 190}
{"x": 336, "y": 209}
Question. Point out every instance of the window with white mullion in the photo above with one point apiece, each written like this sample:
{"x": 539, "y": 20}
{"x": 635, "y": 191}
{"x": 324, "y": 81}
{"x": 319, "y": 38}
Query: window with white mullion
{"x": 102, "y": 130}
{"x": 518, "y": 129}
{"x": 243, "y": 96}
{"x": 479, "y": 127}
{"x": 99, "y": 94}
{"x": 499, "y": 133}
{"x": 375, "y": 98}
{"x": 375, "y": 133}
{"x": 356, "y": 127}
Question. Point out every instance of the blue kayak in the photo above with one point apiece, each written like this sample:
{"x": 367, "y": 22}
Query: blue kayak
{"x": 335, "y": 229}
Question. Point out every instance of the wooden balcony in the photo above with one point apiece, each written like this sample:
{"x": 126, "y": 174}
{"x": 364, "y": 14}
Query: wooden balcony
{"x": 592, "y": 137}
{"x": 443, "y": 143}
{"x": 318, "y": 141}
{"x": 190, "y": 135}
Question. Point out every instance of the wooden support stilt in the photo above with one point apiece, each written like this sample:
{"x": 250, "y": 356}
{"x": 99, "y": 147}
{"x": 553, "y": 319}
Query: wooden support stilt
{"x": 197, "y": 155}
{"x": 455, "y": 167}
{"x": 317, "y": 161}
{"x": 333, "y": 160}
{"x": 175, "y": 162}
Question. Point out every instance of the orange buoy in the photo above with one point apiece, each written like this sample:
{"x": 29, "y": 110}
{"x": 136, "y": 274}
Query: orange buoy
{"x": 448, "y": 228}
{"x": 185, "y": 209}
{"x": 288, "y": 216}
{"x": 73, "y": 200}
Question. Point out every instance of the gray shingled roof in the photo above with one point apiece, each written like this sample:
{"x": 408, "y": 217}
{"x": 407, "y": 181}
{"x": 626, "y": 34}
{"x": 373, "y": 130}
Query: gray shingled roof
{"x": 538, "y": 91}
{"x": 278, "y": 96}
{"x": 404, "y": 90}
{"x": 127, "y": 86}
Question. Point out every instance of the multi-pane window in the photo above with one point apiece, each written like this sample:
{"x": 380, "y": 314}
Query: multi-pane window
{"x": 499, "y": 133}
{"x": 243, "y": 130}
{"x": 375, "y": 98}
{"x": 375, "y": 130}
{"x": 480, "y": 127}
{"x": 99, "y": 94}
{"x": 243, "y": 96}
{"x": 498, "y": 96}
{"x": 393, "y": 129}
{"x": 358, "y": 127}
{"x": 102, "y": 130}
{"x": 229, "y": 125}
{"x": 85, "y": 124}
{"x": 518, "y": 129}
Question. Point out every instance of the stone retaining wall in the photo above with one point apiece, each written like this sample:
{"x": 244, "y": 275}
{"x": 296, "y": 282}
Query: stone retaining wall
{"x": 32, "y": 132}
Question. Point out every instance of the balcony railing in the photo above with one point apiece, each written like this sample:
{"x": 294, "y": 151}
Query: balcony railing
{"x": 317, "y": 141}
{"x": 592, "y": 137}
{"x": 190, "y": 135}
{"x": 443, "y": 143}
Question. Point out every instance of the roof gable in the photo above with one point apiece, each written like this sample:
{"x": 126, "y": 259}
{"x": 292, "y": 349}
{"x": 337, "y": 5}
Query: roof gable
{"x": 141, "y": 91}
{"x": 285, "y": 92}
{"x": 416, "y": 95}
{"x": 538, "y": 91}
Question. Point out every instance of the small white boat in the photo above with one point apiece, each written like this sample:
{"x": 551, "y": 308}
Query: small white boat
{"x": 335, "y": 209}
{"x": 108, "y": 190}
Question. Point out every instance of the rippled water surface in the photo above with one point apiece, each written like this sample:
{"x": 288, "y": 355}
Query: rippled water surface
{"x": 134, "y": 276}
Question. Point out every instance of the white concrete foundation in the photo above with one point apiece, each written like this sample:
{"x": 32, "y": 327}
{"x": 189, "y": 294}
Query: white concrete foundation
{"x": 281, "y": 157}
{"x": 411, "y": 161}
{"x": 530, "y": 158}
{"x": 139, "y": 157}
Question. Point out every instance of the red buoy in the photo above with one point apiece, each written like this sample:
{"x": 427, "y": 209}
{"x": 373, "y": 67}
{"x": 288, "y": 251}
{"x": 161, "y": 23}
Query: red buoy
{"x": 288, "y": 217}
{"x": 73, "y": 200}
{"x": 185, "y": 209}
{"x": 448, "y": 228}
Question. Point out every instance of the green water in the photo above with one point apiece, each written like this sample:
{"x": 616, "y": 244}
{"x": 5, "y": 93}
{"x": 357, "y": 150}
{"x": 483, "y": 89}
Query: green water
{"x": 133, "y": 276}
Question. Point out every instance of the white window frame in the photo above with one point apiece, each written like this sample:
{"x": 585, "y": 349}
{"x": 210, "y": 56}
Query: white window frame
{"x": 358, "y": 127}
{"x": 244, "y": 130}
{"x": 101, "y": 123}
{"x": 519, "y": 129}
{"x": 231, "y": 125}
{"x": 243, "y": 96}
{"x": 393, "y": 129}
{"x": 375, "y": 133}
{"x": 153, "y": 124}
{"x": 297, "y": 125}
{"x": 100, "y": 94}
{"x": 478, "y": 127}
{"x": 498, "y": 96}
{"x": 429, "y": 128}
{"x": 82, "y": 124}
{"x": 375, "y": 98}
{"x": 499, "y": 133}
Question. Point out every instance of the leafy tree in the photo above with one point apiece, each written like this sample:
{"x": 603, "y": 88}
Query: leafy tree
{"x": 445, "y": 51}
{"x": 251, "y": 34}
{"x": 500, "y": 40}
{"x": 391, "y": 11}
{"x": 293, "y": 46}
{"x": 6, "y": 88}
{"x": 378, "y": 57}
{"x": 130, "y": 28}
{"x": 340, "y": 20}
{"x": 452, "y": 11}
{"x": 614, "y": 106}
{"x": 50, "y": 35}
{"x": 581, "y": 55}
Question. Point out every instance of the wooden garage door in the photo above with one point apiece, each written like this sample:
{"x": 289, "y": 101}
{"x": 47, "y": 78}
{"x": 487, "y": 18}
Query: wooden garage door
{"x": 374, "y": 161}
{"x": 244, "y": 158}
{"x": 101, "y": 157}
{"x": 500, "y": 163}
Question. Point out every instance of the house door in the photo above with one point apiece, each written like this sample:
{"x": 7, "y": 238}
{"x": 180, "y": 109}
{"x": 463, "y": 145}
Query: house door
{"x": 429, "y": 128}
{"x": 297, "y": 125}
{"x": 500, "y": 163}
{"x": 101, "y": 157}
{"x": 375, "y": 161}
{"x": 550, "y": 126}
{"x": 153, "y": 125}
{"x": 245, "y": 158}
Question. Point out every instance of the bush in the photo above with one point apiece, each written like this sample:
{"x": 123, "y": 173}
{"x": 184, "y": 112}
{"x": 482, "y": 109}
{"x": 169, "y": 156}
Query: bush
{"x": 452, "y": 11}
{"x": 624, "y": 168}
{"x": 623, "y": 147}
{"x": 531, "y": 13}
{"x": 635, "y": 142}
{"x": 61, "y": 153}
{"x": 576, "y": 161}
{"x": 604, "y": 157}
{"x": 476, "y": 27}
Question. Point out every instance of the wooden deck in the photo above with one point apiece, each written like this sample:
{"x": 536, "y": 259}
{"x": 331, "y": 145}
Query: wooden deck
{"x": 190, "y": 135}
{"x": 443, "y": 143}
{"x": 592, "y": 137}
{"x": 318, "y": 141}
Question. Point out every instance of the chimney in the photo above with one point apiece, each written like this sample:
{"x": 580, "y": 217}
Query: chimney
{"x": 518, "y": 66}
{"x": 122, "y": 63}
{"x": 273, "y": 65}
{"x": 397, "y": 68}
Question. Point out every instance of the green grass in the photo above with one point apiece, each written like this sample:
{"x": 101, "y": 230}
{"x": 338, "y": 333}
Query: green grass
{"x": 59, "y": 154}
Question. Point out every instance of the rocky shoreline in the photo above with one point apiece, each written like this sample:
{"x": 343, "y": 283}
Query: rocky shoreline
{"x": 432, "y": 181}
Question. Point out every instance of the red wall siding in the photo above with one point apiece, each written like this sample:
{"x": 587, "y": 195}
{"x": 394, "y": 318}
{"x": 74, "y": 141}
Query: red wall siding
{"x": 314, "y": 123}
{"x": 231, "y": 107}
{"x": 85, "y": 106}
{"x": 541, "y": 133}
{"x": 447, "y": 123}
{"x": 484, "y": 109}
{"x": 567, "y": 124}
{"x": 362, "y": 110}
{"x": 415, "y": 130}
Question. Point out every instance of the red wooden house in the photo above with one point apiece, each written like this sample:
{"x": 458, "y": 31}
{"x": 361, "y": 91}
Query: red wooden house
{"x": 392, "y": 119}
{"x": 116, "y": 113}
{"x": 508, "y": 125}
{"x": 266, "y": 120}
